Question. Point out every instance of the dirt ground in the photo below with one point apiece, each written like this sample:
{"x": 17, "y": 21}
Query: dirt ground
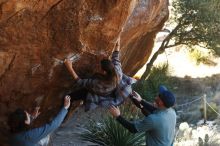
{"x": 68, "y": 133}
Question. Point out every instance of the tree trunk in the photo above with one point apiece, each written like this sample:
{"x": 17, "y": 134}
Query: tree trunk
{"x": 150, "y": 64}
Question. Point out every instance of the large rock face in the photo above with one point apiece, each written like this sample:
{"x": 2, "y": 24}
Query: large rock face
{"x": 35, "y": 36}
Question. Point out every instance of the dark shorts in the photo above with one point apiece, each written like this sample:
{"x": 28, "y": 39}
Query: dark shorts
{"x": 79, "y": 94}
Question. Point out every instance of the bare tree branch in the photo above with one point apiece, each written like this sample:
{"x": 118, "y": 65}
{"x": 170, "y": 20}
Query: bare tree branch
{"x": 162, "y": 48}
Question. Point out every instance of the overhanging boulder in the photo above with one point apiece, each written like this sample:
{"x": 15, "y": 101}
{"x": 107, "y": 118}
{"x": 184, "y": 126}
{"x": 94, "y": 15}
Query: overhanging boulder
{"x": 35, "y": 36}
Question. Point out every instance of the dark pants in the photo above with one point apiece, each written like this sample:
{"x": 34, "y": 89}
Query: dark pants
{"x": 79, "y": 94}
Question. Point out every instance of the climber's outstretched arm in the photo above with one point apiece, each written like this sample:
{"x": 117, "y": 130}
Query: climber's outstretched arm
{"x": 69, "y": 66}
{"x": 117, "y": 46}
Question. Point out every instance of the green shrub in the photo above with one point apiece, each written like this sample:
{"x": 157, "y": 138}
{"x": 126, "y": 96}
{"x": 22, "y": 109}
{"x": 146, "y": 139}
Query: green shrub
{"x": 200, "y": 57}
{"x": 108, "y": 132}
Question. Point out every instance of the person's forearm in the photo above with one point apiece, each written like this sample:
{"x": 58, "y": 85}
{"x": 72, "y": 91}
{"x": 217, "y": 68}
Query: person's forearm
{"x": 148, "y": 106}
{"x": 117, "y": 47}
{"x": 37, "y": 134}
{"x": 73, "y": 73}
{"x": 136, "y": 103}
{"x": 128, "y": 125}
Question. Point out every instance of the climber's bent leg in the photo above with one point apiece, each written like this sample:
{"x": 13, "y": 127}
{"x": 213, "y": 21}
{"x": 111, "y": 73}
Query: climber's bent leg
{"x": 79, "y": 94}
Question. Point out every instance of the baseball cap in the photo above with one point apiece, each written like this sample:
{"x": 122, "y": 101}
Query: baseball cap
{"x": 166, "y": 96}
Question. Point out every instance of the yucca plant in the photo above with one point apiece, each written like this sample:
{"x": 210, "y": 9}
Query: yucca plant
{"x": 208, "y": 141}
{"x": 108, "y": 132}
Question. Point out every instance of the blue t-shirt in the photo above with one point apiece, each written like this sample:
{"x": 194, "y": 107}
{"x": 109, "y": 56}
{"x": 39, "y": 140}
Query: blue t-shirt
{"x": 33, "y": 136}
{"x": 159, "y": 127}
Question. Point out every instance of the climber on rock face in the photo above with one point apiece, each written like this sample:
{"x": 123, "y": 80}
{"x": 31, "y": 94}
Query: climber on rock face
{"x": 19, "y": 121}
{"x": 109, "y": 88}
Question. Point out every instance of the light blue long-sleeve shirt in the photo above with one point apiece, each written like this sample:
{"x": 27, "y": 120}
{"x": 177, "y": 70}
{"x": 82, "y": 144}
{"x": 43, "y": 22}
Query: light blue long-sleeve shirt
{"x": 33, "y": 136}
{"x": 159, "y": 127}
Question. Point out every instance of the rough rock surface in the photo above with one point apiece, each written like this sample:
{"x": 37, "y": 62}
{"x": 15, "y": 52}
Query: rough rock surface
{"x": 36, "y": 35}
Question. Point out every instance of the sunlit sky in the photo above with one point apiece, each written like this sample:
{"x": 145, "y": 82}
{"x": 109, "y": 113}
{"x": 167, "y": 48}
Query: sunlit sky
{"x": 182, "y": 65}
